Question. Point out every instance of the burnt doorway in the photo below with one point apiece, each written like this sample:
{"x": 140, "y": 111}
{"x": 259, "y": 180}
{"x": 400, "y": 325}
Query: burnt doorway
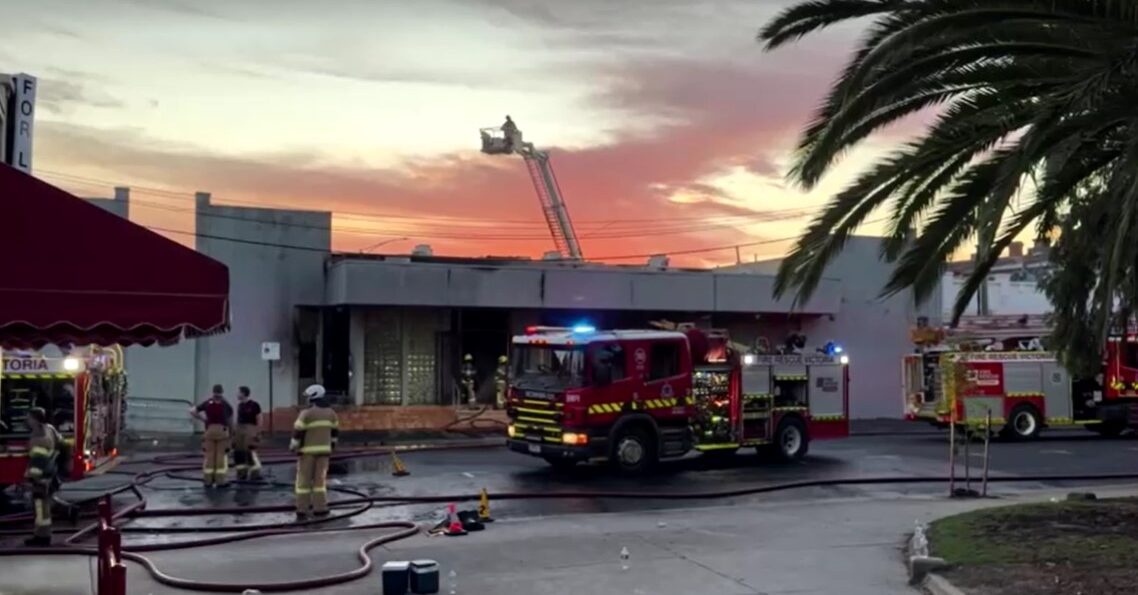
{"x": 484, "y": 333}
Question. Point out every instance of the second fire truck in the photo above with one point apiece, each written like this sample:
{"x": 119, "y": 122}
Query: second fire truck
{"x": 83, "y": 393}
{"x": 999, "y": 368}
{"x": 634, "y": 397}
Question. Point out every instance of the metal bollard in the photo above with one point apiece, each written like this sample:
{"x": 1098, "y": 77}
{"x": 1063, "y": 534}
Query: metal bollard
{"x": 952, "y": 454}
{"x": 987, "y": 456}
{"x": 967, "y": 459}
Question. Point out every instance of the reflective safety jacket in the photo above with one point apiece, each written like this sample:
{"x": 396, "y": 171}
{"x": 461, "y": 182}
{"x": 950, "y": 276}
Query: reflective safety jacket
{"x": 315, "y": 431}
{"x": 42, "y": 451}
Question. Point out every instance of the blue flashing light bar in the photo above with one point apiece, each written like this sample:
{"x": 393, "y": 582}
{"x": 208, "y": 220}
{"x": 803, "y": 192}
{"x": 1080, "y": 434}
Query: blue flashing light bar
{"x": 584, "y": 328}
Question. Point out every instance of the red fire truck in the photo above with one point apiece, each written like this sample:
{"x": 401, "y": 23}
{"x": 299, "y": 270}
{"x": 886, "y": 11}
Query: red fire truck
{"x": 83, "y": 394}
{"x": 959, "y": 377}
{"x": 634, "y": 397}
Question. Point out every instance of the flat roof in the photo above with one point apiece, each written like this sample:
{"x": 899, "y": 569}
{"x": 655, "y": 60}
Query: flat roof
{"x": 362, "y": 280}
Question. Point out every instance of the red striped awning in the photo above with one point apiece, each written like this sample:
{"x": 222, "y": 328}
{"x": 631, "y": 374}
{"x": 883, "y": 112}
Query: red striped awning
{"x": 72, "y": 273}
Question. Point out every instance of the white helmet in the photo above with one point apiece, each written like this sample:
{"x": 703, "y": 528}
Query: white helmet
{"x": 314, "y": 392}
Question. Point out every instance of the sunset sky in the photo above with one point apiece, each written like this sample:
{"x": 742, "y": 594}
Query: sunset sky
{"x": 670, "y": 129}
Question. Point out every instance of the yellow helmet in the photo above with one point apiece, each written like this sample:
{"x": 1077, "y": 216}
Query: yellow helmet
{"x": 502, "y": 359}
{"x": 468, "y": 358}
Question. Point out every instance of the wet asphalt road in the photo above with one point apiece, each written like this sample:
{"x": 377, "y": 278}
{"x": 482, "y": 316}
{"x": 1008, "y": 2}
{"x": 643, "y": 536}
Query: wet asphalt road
{"x": 497, "y": 470}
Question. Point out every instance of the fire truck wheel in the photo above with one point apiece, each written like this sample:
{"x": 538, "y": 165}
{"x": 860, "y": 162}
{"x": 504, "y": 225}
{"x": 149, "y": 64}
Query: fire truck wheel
{"x": 634, "y": 450}
{"x": 1023, "y": 423}
{"x": 790, "y": 439}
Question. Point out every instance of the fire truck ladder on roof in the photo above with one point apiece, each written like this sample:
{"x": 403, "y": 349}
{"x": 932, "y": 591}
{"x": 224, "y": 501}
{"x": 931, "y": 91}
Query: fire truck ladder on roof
{"x": 494, "y": 142}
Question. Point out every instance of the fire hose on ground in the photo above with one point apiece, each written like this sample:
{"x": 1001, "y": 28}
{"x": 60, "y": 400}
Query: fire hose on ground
{"x": 359, "y": 503}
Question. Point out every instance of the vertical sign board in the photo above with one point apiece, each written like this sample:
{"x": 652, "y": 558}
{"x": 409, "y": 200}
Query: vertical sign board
{"x": 6, "y": 105}
{"x": 21, "y": 117}
{"x": 270, "y": 351}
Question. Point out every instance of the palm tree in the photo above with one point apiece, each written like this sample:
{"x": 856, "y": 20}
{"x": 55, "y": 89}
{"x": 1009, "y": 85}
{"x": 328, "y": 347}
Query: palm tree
{"x": 1038, "y": 98}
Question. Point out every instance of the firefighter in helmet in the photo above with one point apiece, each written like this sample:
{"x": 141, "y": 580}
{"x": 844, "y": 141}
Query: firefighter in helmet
{"x": 501, "y": 379}
{"x": 468, "y": 375}
{"x": 511, "y": 134}
{"x": 314, "y": 437}
{"x": 42, "y": 478}
{"x": 217, "y": 415}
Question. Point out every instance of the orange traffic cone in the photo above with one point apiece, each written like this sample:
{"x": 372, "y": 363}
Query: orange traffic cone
{"x": 398, "y": 469}
{"x": 454, "y": 526}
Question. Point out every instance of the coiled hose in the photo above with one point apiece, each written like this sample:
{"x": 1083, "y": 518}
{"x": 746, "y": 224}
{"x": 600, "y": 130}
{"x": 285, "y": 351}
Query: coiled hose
{"x": 360, "y": 503}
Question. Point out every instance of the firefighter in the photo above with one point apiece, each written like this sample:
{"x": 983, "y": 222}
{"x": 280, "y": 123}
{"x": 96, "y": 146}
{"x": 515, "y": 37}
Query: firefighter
{"x": 42, "y": 474}
{"x": 468, "y": 374}
{"x": 217, "y": 415}
{"x": 501, "y": 379}
{"x": 314, "y": 437}
{"x": 511, "y": 134}
{"x": 247, "y": 436}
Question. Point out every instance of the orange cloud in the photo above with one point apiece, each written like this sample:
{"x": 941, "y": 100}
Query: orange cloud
{"x": 625, "y": 195}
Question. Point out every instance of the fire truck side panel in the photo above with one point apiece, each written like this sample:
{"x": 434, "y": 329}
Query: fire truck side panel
{"x": 813, "y": 387}
{"x": 825, "y": 392}
{"x": 757, "y": 400}
{"x": 1058, "y": 400}
{"x": 1023, "y": 379}
{"x": 757, "y": 380}
{"x": 828, "y": 396}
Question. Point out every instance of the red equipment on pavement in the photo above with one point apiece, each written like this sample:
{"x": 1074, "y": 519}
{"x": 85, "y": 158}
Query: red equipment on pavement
{"x": 111, "y": 576}
{"x": 636, "y": 396}
{"x": 997, "y": 365}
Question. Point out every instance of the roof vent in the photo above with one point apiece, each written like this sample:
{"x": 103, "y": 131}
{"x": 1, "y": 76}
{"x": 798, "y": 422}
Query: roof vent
{"x": 658, "y": 261}
{"x": 551, "y": 255}
{"x": 422, "y": 250}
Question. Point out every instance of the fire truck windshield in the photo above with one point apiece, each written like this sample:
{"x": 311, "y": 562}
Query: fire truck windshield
{"x": 18, "y": 395}
{"x": 549, "y": 366}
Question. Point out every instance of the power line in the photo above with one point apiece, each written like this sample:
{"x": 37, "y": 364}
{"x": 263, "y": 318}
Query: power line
{"x": 593, "y": 258}
{"x": 724, "y": 220}
{"x": 386, "y": 230}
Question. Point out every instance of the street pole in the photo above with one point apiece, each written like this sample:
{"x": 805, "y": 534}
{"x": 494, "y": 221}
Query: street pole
{"x": 270, "y": 397}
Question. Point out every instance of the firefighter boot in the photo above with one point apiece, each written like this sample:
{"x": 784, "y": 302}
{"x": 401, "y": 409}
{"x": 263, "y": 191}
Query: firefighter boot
{"x": 255, "y": 465}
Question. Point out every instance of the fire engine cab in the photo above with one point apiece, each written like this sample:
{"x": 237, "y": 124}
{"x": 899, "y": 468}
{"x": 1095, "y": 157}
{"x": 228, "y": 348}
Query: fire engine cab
{"x": 83, "y": 393}
{"x": 999, "y": 367}
{"x": 634, "y": 397}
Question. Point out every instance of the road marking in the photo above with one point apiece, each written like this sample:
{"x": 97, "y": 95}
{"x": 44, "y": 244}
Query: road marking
{"x": 468, "y": 474}
{"x": 1055, "y": 452}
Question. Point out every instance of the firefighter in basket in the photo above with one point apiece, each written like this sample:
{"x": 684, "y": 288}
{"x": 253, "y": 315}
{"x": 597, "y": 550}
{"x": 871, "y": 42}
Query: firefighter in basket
{"x": 247, "y": 437}
{"x": 468, "y": 375}
{"x": 314, "y": 438}
{"x": 217, "y": 415}
{"x": 501, "y": 380}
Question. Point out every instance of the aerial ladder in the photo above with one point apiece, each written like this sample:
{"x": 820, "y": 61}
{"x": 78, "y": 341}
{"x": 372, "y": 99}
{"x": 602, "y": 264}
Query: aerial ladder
{"x": 506, "y": 140}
